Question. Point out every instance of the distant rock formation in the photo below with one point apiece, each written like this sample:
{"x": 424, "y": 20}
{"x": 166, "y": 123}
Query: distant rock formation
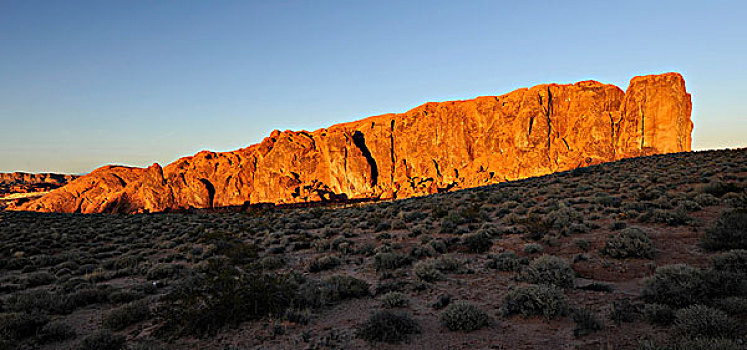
{"x": 24, "y": 186}
{"x": 434, "y": 147}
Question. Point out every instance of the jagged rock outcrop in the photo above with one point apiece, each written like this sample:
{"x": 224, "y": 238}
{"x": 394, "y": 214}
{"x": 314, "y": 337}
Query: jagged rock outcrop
{"x": 434, "y": 147}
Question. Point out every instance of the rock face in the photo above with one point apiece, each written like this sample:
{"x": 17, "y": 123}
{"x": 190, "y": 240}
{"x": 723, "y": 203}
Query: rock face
{"x": 434, "y": 147}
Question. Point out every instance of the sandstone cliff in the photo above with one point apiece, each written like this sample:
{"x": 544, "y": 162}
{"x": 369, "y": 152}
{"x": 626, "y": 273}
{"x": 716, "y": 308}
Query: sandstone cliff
{"x": 434, "y": 147}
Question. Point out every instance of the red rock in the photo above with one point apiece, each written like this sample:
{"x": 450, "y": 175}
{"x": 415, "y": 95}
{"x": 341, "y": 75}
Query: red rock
{"x": 431, "y": 148}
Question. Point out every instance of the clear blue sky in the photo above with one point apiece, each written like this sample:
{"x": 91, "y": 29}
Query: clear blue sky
{"x": 88, "y": 83}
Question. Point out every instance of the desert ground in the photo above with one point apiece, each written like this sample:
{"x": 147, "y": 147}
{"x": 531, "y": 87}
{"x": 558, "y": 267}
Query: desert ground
{"x": 643, "y": 253}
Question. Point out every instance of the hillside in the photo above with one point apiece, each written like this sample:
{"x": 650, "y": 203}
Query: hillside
{"x": 433, "y": 148}
{"x": 579, "y": 259}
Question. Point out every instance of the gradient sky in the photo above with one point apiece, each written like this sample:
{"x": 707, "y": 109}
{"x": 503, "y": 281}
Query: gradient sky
{"x": 88, "y": 83}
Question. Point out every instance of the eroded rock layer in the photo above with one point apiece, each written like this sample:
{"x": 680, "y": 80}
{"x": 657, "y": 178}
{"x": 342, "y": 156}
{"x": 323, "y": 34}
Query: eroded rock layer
{"x": 431, "y": 148}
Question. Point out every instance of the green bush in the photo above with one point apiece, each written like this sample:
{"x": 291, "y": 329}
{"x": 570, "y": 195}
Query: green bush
{"x": 624, "y": 310}
{"x": 427, "y": 270}
{"x": 101, "y": 340}
{"x": 19, "y": 325}
{"x": 39, "y": 279}
{"x": 728, "y": 232}
{"x": 331, "y": 290}
{"x": 390, "y": 261}
{"x": 536, "y": 300}
{"x": 732, "y": 305}
{"x": 549, "y": 269}
{"x": 223, "y": 295}
{"x": 325, "y": 262}
{"x": 126, "y": 315}
{"x": 56, "y": 331}
{"x": 629, "y": 243}
{"x": 35, "y": 301}
{"x": 506, "y": 261}
{"x": 675, "y": 285}
{"x": 587, "y": 322}
{"x": 477, "y": 243}
{"x": 389, "y": 327}
{"x": 532, "y": 248}
{"x": 728, "y": 274}
{"x": 658, "y": 314}
{"x": 463, "y": 316}
{"x": 699, "y": 321}
{"x": 394, "y": 300}
{"x": 343, "y": 287}
{"x": 720, "y": 188}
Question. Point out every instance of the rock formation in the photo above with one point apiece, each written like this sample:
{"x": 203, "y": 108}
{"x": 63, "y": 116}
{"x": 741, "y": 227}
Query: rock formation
{"x": 19, "y": 182}
{"x": 434, "y": 147}
{"x": 18, "y": 188}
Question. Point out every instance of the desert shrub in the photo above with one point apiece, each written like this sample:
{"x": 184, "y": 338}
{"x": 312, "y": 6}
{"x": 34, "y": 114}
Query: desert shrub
{"x": 427, "y": 270}
{"x": 675, "y": 217}
{"x": 438, "y": 245}
{"x": 675, "y": 285}
{"x": 719, "y": 188}
{"x": 506, "y": 261}
{"x": 325, "y": 262}
{"x": 629, "y": 243}
{"x": 549, "y": 269}
{"x": 223, "y": 295}
{"x": 624, "y": 310}
{"x": 126, "y": 315}
{"x": 145, "y": 345}
{"x": 389, "y": 327}
{"x": 442, "y": 301}
{"x": 690, "y": 344}
{"x": 390, "y": 261}
{"x": 390, "y": 286}
{"x": 56, "y": 331}
{"x": 34, "y": 301}
{"x": 343, "y": 287}
{"x": 658, "y": 314}
{"x": 536, "y": 300}
{"x": 298, "y": 315}
{"x": 689, "y": 205}
{"x": 394, "y": 299}
{"x": 598, "y": 287}
{"x": 19, "y": 325}
{"x": 418, "y": 252}
{"x": 706, "y": 199}
{"x": 85, "y": 297}
{"x": 582, "y": 244}
{"x": 463, "y": 316}
{"x": 39, "y": 279}
{"x": 123, "y": 296}
{"x": 101, "y": 340}
{"x": 586, "y": 321}
{"x": 165, "y": 271}
{"x": 230, "y": 246}
{"x": 728, "y": 274}
{"x": 477, "y": 243}
{"x": 728, "y": 232}
{"x": 532, "y": 248}
{"x": 733, "y": 261}
{"x": 732, "y": 305}
{"x": 331, "y": 290}
{"x": 699, "y": 321}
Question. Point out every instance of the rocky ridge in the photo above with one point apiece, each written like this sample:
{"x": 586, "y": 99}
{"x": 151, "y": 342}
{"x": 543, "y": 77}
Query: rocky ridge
{"x": 432, "y": 148}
